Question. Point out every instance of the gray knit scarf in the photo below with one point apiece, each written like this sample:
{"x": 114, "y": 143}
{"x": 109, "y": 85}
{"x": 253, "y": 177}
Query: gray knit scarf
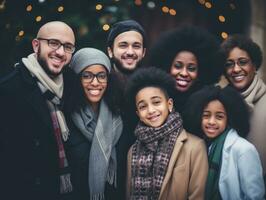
{"x": 104, "y": 136}
{"x": 151, "y": 155}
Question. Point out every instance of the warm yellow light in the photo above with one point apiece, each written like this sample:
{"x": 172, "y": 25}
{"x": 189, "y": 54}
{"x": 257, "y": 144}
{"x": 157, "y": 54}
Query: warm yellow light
{"x": 165, "y": 9}
{"x": 221, "y": 18}
{"x": 224, "y": 35}
{"x": 208, "y": 5}
{"x": 29, "y": 8}
{"x": 172, "y": 12}
{"x": 98, "y": 7}
{"x": 201, "y": 2}
{"x": 106, "y": 27}
{"x": 21, "y": 33}
{"x": 138, "y": 2}
{"x": 38, "y": 18}
{"x": 60, "y": 9}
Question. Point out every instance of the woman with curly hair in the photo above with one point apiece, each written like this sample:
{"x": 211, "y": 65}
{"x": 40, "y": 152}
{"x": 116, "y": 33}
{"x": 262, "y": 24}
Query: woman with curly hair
{"x": 243, "y": 60}
{"x": 221, "y": 117}
{"x": 165, "y": 162}
{"x": 190, "y": 55}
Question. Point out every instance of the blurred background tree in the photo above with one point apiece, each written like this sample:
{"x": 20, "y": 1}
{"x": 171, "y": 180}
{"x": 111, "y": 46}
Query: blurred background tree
{"x": 92, "y": 19}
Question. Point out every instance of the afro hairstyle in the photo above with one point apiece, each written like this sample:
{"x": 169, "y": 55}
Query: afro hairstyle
{"x": 235, "y": 106}
{"x": 194, "y": 39}
{"x": 149, "y": 77}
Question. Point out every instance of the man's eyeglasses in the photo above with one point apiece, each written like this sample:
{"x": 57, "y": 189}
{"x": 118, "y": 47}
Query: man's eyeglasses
{"x": 89, "y": 77}
{"x": 56, "y": 44}
{"x": 241, "y": 62}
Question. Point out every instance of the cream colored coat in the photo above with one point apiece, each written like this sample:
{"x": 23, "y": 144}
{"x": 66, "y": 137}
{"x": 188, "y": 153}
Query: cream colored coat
{"x": 187, "y": 170}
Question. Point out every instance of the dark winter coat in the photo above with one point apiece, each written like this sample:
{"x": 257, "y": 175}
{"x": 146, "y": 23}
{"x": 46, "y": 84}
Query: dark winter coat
{"x": 28, "y": 150}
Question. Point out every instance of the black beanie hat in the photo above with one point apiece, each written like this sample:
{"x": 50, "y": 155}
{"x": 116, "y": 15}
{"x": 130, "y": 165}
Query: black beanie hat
{"x": 124, "y": 26}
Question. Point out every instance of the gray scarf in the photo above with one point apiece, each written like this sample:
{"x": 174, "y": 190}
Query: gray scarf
{"x": 104, "y": 136}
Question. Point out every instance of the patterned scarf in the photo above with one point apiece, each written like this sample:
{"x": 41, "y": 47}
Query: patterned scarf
{"x": 52, "y": 90}
{"x": 150, "y": 157}
{"x": 215, "y": 162}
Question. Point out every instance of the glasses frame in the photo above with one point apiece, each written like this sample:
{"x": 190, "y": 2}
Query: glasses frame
{"x": 94, "y": 75}
{"x": 238, "y": 63}
{"x": 61, "y": 44}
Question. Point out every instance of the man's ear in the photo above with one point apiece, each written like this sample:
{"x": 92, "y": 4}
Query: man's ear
{"x": 144, "y": 52}
{"x": 35, "y": 45}
{"x": 110, "y": 52}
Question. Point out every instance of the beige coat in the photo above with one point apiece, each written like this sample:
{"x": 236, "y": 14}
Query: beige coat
{"x": 255, "y": 96}
{"x": 187, "y": 170}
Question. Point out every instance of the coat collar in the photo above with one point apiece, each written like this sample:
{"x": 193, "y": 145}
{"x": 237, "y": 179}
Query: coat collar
{"x": 231, "y": 138}
{"x": 177, "y": 148}
{"x": 33, "y": 96}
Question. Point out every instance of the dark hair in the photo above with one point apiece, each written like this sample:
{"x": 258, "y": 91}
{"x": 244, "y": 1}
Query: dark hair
{"x": 148, "y": 77}
{"x": 196, "y": 40}
{"x": 245, "y": 43}
{"x": 124, "y": 26}
{"x": 234, "y": 104}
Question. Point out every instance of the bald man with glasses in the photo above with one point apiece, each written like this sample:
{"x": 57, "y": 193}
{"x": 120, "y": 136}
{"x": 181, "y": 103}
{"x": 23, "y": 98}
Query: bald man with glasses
{"x": 34, "y": 97}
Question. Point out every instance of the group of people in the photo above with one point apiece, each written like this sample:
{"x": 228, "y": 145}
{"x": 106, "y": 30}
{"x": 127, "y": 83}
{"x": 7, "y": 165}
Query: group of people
{"x": 95, "y": 125}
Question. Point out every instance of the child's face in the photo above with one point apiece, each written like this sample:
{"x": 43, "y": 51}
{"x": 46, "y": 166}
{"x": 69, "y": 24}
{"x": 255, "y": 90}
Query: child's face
{"x": 152, "y": 106}
{"x": 214, "y": 119}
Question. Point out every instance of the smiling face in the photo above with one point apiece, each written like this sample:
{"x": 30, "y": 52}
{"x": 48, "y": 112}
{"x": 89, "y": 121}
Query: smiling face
{"x": 185, "y": 70}
{"x": 214, "y": 119}
{"x": 94, "y": 89}
{"x": 240, "y": 70}
{"x": 53, "y": 60}
{"x": 152, "y": 106}
{"x": 127, "y": 50}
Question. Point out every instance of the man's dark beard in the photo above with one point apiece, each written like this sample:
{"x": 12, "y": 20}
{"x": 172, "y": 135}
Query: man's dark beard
{"x": 43, "y": 64}
{"x": 122, "y": 69}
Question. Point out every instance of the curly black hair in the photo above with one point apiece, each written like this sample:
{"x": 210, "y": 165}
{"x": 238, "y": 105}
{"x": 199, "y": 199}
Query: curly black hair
{"x": 234, "y": 104}
{"x": 194, "y": 39}
{"x": 245, "y": 43}
{"x": 148, "y": 77}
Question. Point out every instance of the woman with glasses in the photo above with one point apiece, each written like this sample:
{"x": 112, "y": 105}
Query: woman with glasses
{"x": 95, "y": 129}
{"x": 243, "y": 59}
{"x": 190, "y": 55}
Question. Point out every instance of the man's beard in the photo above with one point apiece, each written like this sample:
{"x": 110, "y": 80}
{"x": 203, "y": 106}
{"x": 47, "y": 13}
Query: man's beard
{"x": 121, "y": 68}
{"x": 43, "y": 63}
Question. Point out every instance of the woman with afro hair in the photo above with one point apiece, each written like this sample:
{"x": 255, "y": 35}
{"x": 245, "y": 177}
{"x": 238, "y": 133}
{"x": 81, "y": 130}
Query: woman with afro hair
{"x": 190, "y": 55}
{"x": 221, "y": 117}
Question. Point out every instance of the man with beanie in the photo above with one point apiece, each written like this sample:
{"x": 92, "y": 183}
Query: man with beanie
{"x": 126, "y": 46}
{"x": 33, "y": 127}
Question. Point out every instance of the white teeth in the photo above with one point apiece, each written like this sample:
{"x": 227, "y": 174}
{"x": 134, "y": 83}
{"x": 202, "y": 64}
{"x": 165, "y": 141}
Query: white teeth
{"x": 94, "y": 92}
{"x": 239, "y": 78}
{"x": 182, "y": 82}
{"x": 55, "y": 59}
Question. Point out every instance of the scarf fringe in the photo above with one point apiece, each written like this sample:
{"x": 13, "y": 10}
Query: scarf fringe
{"x": 65, "y": 184}
{"x": 97, "y": 197}
{"x": 111, "y": 177}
